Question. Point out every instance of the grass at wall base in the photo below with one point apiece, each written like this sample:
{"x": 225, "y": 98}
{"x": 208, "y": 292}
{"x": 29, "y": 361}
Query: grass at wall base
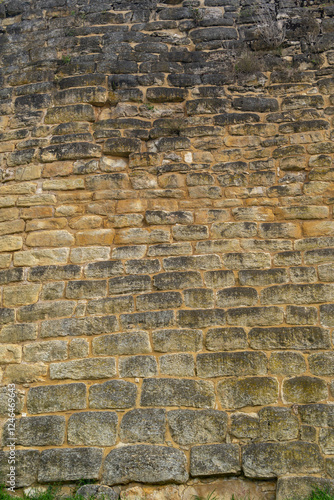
{"x": 54, "y": 493}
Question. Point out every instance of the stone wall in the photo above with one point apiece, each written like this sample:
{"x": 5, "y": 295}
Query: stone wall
{"x": 167, "y": 242}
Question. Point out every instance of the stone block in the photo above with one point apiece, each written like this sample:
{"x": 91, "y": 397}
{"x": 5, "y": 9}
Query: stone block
{"x": 143, "y": 426}
{"x": 225, "y": 339}
{"x": 223, "y": 364}
{"x": 79, "y": 326}
{"x": 278, "y": 424}
{"x": 192, "y": 318}
{"x": 237, "y": 296}
{"x": 54, "y": 398}
{"x": 113, "y": 394}
{"x": 269, "y": 460}
{"x": 296, "y": 337}
{"x": 286, "y": 363}
{"x": 177, "y": 392}
{"x": 302, "y": 486}
{"x": 249, "y": 260}
{"x": 160, "y": 300}
{"x": 254, "y": 277}
{"x": 92, "y": 428}
{"x": 177, "y": 365}
{"x": 304, "y": 389}
{"x": 78, "y": 348}
{"x": 146, "y": 464}
{"x": 121, "y": 343}
{"x": 53, "y": 350}
{"x": 69, "y": 464}
{"x": 177, "y": 340}
{"x": 322, "y": 364}
{"x": 26, "y": 466}
{"x": 49, "y": 239}
{"x": 197, "y": 426}
{"x": 219, "y": 279}
{"x": 248, "y": 391}
{"x": 147, "y": 320}
{"x": 10, "y": 353}
{"x": 41, "y": 431}
{"x": 92, "y": 368}
{"x": 214, "y": 459}
{"x": 245, "y": 426}
{"x": 251, "y": 316}
{"x": 129, "y": 284}
{"x": 137, "y": 366}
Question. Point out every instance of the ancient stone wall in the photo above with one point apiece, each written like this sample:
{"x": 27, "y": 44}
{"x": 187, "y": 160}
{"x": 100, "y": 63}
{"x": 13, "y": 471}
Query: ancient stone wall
{"x": 167, "y": 241}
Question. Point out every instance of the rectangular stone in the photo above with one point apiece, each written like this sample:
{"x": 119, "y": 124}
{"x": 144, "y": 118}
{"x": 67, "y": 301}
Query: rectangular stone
{"x": 93, "y": 325}
{"x": 248, "y": 391}
{"x": 44, "y": 310}
{"x": 247, "y": 260}
{"x": 129, "y": 284}
{"x": 177, "y": 340}
{"x": 297, "y": 337}
{"x": 310, "y": 293}
{"x": 147, "y": 320}
{"x": 69, "y": 464}
{"x": 263, "y": 277}
{"x": 92, "y": 368}
{"x": 177, "y": 392}
{"x": 214, "y": 459}
{"x": 177, "y": 280}
{"x": 54, "y": 398}
{"x": 121, "y": 343}
{"x": 224, "y": 364}
{"x": 253, "y": 316}
{"x": 86, "y": 289}
{"x": 111, "y": 305}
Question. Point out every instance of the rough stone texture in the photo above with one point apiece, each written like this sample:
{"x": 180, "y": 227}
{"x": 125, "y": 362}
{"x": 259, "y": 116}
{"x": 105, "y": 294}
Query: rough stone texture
{"x": 266, "y": 460}
{"x": 27, "y": 463}
{"x": 213, "y": 459}
{"x": 143, "y": 426}
{"x": 92, "y": 428}
{"x": 302, "y": 486}
{"x": 203, "y": 426}
{"x": 69, "y": 464}
{"x": 145, "y": 464}
{"x": 166, "y": 237}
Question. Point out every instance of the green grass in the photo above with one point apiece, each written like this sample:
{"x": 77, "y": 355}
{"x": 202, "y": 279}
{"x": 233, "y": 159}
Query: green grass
{"x": 53, "y": 492}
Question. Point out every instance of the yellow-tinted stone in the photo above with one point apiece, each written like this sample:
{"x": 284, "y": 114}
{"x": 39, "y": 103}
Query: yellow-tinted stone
{"x": 20, "y": 295}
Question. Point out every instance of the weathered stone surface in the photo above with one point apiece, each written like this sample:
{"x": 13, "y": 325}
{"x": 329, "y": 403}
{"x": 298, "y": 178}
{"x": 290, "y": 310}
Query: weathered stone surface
{"x": 245, "y": 426}
{"x": 226, "y": 339}
{"x": 122, "y": 343}
{"x": 251, "y": 316}
{"x": 267, "y": 460}
{"x": 302, "y": 486}
{"x": 143, "y": 426}
{"x": 145, "y": 464}
{"x": 92, "y": 428}
{"x": 26, "y": 467}
{"x": 113, "y": 394}
{"x": 214, "y": 459}
{"x": 41, "y": 431}
{"x": 248, "y": 391}
{"x": 287, "y": 363}
{"x": 138, "y": 366}
{"x": 45, "y": 351}
{"x": 18, "y": 404}
{"x": 304, "y": 389}
{"x": 53, "y": 398}
{"x": 197, "y": 426}
{"x": 296, "y": 337}
{"x": 278, "y": 424}
{"x": 69, "y": 464}
{"x": 92, "y": 368}
{"x": 177, "y": 392}
{"x": 222, "y": 364}
{"x": 99, "y": 492}
{"x": 177, "y": 340}
{"x": 179, "y": 365}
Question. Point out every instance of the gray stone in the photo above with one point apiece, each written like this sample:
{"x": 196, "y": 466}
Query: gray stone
{"x": 278, "y": 424}
{"x": 226, "y": 339}
{"x": 326, "y": 440}
{"x": 195, "y": 427}
{"x": 177, "y": 340}
{"x": 69, "y": 464}
{"x": 287, "y": 363}
{"x": 222, "y": 364}
{"x": 248, "y": 391}
{"x": 245, "y": 426}
{"x": 179, "y": 365}
{"x": 304, "y": 389}
{"x": 4, "y": 395}
{"x": 269, "y": 460}
{"x": 45, "y": 351}
{"x": 98, "y": 492}
{"x": 78, "y": 348}
{"x": 302, "y": 486}
{"x": 145, "y": 464}
{"x": 214, "y": 459}
{"x": 177, "y": 392}
{"x": 319, "y": 415}
{"x": 53, "y": 398}
{"x": 41, "y": 431}
{"x": 26, "y": 465}
{"x": 92, "y": 368}
{"x": 121, "y": 343}
{"x": 137, "y": 366}
{"x": 143, "y": 426}
{"x": 18, "y": 333}
{"x": 113, "y": 394}
{"x": 92, "y": 428}
{"x": 294, "y": 337}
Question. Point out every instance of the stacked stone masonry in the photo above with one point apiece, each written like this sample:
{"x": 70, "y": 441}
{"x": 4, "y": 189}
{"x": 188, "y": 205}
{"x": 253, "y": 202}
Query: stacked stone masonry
{"x": 167, "y": 242}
